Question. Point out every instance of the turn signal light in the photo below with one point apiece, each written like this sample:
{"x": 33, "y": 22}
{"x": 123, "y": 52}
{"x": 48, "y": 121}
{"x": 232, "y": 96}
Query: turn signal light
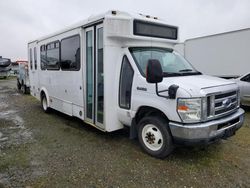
{"x": 183, "y": 108}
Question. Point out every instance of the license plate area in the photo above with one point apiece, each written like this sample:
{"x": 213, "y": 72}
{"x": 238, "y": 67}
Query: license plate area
{"x": 229, "y": 132}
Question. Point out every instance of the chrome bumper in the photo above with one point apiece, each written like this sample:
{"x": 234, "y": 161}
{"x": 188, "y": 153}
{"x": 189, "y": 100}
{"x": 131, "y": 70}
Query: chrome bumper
{"x": 208, "y": 131}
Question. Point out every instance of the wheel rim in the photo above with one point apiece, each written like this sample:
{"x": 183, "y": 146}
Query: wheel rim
{"x": 152, "y": 137}
{"x": 44, "y": 103}
{"x": 22, "y": 89}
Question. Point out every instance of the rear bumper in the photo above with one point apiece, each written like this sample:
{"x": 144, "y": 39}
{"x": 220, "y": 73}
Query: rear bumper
{"x": 205, "y": 133}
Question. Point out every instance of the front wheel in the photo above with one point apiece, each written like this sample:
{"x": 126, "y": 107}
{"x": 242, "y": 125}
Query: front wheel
{"x": 155, "y": 137}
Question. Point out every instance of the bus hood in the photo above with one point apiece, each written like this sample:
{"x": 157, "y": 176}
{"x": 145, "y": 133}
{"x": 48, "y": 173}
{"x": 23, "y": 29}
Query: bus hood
{"x": 194, "y": 84}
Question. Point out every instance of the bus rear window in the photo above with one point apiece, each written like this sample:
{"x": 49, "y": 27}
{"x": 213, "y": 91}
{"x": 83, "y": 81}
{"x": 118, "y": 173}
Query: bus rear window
{"x": 148, "y": 29}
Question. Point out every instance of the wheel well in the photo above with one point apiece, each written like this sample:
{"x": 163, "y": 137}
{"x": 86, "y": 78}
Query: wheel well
{"x": 142, "y": 112}
{"x": 147, "y": 111}
{"x": 42, "y": 94}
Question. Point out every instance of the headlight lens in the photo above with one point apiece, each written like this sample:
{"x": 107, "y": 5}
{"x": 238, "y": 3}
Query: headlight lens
{"x": 190, "y": 110}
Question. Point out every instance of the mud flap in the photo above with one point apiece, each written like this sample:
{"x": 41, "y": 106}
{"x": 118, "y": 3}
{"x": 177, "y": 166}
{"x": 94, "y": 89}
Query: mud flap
{"x": 133, "y": 130}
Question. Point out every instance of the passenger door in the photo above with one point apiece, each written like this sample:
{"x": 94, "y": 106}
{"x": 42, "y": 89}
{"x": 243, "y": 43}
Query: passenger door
{"x": 31, "y": 67}
{"x": 35, "y": 74}
{"x": 94, "y": 76}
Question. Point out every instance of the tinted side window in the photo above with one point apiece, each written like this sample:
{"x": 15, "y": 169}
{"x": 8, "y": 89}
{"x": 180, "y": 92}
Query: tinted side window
{"x": 31, "y": 63}
{"x": 35, "y": 58}
{"x": 126, "y": 81}
{"x": 52, "y": 56}
{"x": 70, "y": 53}
{"x": 43, "y": 57}
{"x": 246, "y": 78}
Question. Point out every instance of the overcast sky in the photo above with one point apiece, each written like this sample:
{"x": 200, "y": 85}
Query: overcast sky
{"x": 25, "y": 20}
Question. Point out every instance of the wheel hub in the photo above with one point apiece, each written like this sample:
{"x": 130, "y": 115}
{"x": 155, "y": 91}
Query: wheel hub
{"x": 152, "y": 137}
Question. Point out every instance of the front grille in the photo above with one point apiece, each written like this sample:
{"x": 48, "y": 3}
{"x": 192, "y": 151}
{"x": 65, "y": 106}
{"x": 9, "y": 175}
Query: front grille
{"x": 223, "y": 95}
{"x": 221, "y": 104}
{"x": 225, "y": 103}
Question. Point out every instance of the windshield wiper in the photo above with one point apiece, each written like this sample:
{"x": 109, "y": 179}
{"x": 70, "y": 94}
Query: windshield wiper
{"x": 191, "y": 73}
{"x": 168, "y": 74}
{"x": 186, "y": 70}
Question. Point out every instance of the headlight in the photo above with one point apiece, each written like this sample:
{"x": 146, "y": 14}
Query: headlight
{"x": 191, "y": 110}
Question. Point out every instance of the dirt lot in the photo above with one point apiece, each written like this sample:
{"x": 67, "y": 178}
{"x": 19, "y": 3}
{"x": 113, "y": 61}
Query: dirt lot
{"x": 54, "y": 150}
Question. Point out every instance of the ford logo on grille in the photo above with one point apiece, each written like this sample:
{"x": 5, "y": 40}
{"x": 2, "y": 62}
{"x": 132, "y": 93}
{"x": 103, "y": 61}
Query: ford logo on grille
{"x": 226, "y": 103}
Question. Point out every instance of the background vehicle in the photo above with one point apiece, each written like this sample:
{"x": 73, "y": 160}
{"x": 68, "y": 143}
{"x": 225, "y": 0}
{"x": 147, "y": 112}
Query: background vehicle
{"x": 244, "y": 83}
{"x": 14, "y": 69}
{"x": 119, "y": 69}
{"x": 23, "y": 82}
{"x": 4, "y": 67}
{"x": 224, "y": 55}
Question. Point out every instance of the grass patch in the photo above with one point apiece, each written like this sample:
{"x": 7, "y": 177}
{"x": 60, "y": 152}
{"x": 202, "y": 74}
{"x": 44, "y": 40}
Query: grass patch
{"x": 14, "y": 157}
{"x": 8, "y": 78}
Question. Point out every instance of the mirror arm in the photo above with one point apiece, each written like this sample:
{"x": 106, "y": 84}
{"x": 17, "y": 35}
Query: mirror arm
{"x": 158, "y": 92}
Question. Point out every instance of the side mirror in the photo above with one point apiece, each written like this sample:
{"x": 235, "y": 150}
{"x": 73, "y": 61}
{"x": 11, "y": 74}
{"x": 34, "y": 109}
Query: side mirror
{"x": 154, "y": 72}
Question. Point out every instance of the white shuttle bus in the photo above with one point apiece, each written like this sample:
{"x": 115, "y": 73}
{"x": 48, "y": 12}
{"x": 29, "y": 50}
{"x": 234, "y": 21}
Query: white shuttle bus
{"x": 119, "y": 69}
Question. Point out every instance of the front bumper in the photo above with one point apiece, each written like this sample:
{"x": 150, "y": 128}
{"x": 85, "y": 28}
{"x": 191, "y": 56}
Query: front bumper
{"x": 207, "y": 132}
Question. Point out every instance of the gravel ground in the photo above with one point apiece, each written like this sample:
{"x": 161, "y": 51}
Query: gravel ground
{"x": 54, "y": 150}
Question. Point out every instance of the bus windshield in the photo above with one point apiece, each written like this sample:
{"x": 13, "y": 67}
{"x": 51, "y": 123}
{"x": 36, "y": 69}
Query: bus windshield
{"x": 172, "y": 63}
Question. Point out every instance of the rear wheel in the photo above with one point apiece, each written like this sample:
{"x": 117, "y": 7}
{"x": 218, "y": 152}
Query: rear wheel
{"x": 18, "y": 85}
{"x": 44, "y": 104}
{"x": 155, "y": 137}
{"x": 24, "y": 89}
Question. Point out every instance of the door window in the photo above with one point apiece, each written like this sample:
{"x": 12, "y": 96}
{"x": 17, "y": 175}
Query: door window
{"x": 89, "y": 73}
{"x": 31, "y": 63}
{"x": 126, "y": 81}
{"x": 100, "y": 80}
{"x": 35, "y": 58}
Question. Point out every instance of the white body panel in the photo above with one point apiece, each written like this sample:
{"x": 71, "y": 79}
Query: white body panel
{"x": 63, "y": 87}
{"x": 223, "y": 55}
{"x": 66, "y": 90}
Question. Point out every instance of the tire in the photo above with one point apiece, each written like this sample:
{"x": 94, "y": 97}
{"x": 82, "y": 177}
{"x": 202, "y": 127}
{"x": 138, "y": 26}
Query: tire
{"x": 24, "y": 89}
{"x": 155, "y": 137}
{"x": 18, "y": 85}
{"x": 44, "y": 104}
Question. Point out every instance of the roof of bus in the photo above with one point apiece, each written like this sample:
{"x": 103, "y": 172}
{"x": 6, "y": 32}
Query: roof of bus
{"x": 97, "y": 18}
